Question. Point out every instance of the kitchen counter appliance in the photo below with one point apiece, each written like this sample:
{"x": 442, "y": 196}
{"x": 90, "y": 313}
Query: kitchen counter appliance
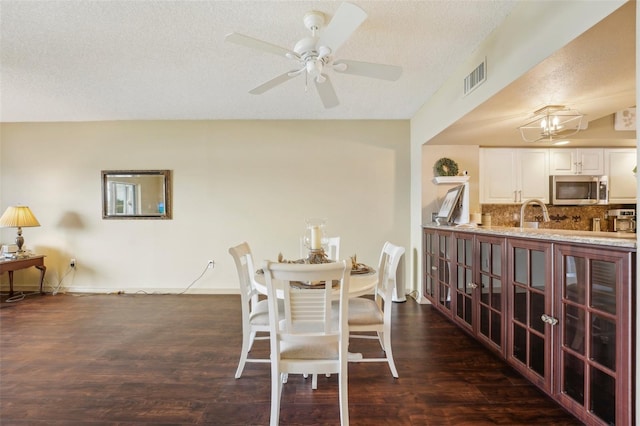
{"x": 623, "y": 220}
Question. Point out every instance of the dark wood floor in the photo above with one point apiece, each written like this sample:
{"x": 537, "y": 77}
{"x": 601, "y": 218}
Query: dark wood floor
{"x": 132, "y": 360}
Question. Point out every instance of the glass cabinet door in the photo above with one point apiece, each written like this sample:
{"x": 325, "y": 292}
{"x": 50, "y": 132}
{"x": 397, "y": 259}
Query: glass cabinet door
{"x": 490, "y": 280}
{"x": 464, "y": 284}
{"x": 430, "y": 244}
{"x": 590, "y": 307}
{"x": 437, "y": 268}
{"x": 444, "y": 272}
{"x": 530, "y": 290}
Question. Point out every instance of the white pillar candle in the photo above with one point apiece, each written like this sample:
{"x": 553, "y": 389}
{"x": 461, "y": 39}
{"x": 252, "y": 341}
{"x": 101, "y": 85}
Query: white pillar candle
{"x": 316, "y": 238}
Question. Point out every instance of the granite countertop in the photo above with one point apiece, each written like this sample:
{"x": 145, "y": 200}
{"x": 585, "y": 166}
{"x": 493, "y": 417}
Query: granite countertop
{"x": 616, "y": 239}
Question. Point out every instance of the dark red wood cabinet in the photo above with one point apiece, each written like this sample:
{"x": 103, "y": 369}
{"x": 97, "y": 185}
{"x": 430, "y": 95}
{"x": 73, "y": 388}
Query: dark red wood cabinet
{"x": 593, "y": 350}
{"x": 530, "y": 311}
{"x": 560, "y": 313}
{"x": 478, "y": 277}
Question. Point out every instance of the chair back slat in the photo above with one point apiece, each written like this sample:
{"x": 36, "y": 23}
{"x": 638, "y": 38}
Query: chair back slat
{"x": 307, "y": 307}
{"x": 387, "y": 269}
{"x": 333, "y": 248}
{"x": 244, "y": 264}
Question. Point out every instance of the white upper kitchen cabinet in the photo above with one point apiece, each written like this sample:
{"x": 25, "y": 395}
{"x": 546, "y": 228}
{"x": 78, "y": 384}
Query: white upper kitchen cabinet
{"x": 513, "y": 175}
{"x": 618, "y": 166}
{"x": 578, "y": 161}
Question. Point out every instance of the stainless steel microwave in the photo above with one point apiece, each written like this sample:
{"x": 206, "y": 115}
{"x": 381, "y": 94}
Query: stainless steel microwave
{"x": 577, "y": 190}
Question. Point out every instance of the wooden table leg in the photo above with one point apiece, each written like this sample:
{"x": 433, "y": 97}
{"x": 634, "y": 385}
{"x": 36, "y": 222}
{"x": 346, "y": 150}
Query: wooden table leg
{"x": 11, "y": 265}
{"x": 10, "y": 283}
{"x": 42, "y": 269}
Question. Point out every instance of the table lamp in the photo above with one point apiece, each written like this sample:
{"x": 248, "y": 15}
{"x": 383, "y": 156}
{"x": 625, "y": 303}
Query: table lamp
{"x": 18, "y": 217}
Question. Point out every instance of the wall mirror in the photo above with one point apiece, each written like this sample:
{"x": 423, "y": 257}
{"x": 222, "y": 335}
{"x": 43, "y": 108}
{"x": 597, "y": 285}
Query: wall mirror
{"x": 136, "y": 194}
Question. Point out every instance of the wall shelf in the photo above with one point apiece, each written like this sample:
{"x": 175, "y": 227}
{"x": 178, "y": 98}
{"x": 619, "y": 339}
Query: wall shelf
{"x": 439, "y": 180}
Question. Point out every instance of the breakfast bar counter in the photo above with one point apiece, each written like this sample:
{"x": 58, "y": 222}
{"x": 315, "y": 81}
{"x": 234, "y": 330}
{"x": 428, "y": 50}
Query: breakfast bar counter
{"x": 616, "y": 239}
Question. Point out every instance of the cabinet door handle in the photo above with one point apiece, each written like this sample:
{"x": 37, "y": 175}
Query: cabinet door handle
{"x": 515, "y": 196}
{"x": 549, "y": 319}
{"x": 520, "y": 196}
{"x": 434, "y": 268}
{"x": 472, "y": 285}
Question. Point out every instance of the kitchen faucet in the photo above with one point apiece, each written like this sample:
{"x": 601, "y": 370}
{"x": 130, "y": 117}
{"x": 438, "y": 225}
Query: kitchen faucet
{"x": 545, "y": 212}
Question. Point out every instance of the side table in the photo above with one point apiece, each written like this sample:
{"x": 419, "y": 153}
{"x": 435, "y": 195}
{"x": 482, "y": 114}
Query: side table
{"x": 10, "y": 265}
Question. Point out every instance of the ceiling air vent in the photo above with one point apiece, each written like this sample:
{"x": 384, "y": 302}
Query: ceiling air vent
{"x": 475, "y": 78}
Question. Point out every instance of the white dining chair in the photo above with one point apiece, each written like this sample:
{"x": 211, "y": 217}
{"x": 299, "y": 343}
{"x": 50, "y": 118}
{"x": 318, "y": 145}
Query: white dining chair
{"x": 307, "y": 338}
{"x": 332, "y": 251}
{"x": 374, "y": 315}
{"x": 255, "y": 312}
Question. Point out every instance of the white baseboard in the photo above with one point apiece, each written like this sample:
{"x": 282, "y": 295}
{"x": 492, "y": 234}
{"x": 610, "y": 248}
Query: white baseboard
{"x": 28, "y": 288}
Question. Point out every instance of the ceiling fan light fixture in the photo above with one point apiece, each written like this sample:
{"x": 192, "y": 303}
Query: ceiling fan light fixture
{"x": 314, "y": 67}
{"x": 551, "y": 123}
{"x": 324, "y": 51}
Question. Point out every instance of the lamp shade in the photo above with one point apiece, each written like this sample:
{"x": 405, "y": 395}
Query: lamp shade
{"x": 18, "y": 216}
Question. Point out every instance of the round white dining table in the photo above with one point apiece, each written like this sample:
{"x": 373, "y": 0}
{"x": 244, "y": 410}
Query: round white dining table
{"x": 359, "y": 284}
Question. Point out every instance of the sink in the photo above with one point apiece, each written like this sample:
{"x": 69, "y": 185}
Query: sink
{"x": 533, "y": 225}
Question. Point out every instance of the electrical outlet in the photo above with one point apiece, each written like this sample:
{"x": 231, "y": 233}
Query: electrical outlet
{"x": 72, "y": 263}
{"x": 210, "y": 264}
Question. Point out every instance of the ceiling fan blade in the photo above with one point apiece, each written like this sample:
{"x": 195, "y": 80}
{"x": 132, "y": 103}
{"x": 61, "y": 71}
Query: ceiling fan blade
{"x": 254, "y": 43}
{"x": 368, "y": 69}
{"x": 327, "y": 93}
{"x": 347, "y": 19}
{"x": 272, "y": 83}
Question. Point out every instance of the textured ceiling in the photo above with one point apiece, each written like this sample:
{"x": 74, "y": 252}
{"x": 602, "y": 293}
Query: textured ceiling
{"x": 150, "y": 60}
{"x": 167, "y": 60}
{"x": 594, "y": 74}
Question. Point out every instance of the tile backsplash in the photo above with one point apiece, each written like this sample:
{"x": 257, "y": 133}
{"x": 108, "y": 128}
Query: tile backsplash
{"x": 577, "y": 218}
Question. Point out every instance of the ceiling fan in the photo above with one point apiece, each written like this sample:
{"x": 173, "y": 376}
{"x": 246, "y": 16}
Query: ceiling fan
{"x": 314, "y": 54}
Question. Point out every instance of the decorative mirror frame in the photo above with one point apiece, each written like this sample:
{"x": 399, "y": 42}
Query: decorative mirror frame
{"x": 163, "y": 207}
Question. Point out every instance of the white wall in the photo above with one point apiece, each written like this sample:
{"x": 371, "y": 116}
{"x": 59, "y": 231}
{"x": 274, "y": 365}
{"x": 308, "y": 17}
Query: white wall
{"x": 432, "y": 194}
{"x": 232, "y": 181}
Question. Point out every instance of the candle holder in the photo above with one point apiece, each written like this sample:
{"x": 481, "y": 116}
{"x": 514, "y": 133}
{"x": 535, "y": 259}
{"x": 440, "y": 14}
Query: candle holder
{"x": 315, "y": 239}
{"x": 317, "y": 256}
{"x": 314, "y": 235}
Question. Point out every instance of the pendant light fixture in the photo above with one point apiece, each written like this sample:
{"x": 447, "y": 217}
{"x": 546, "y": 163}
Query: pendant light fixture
{"x": 550, "y": 123}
